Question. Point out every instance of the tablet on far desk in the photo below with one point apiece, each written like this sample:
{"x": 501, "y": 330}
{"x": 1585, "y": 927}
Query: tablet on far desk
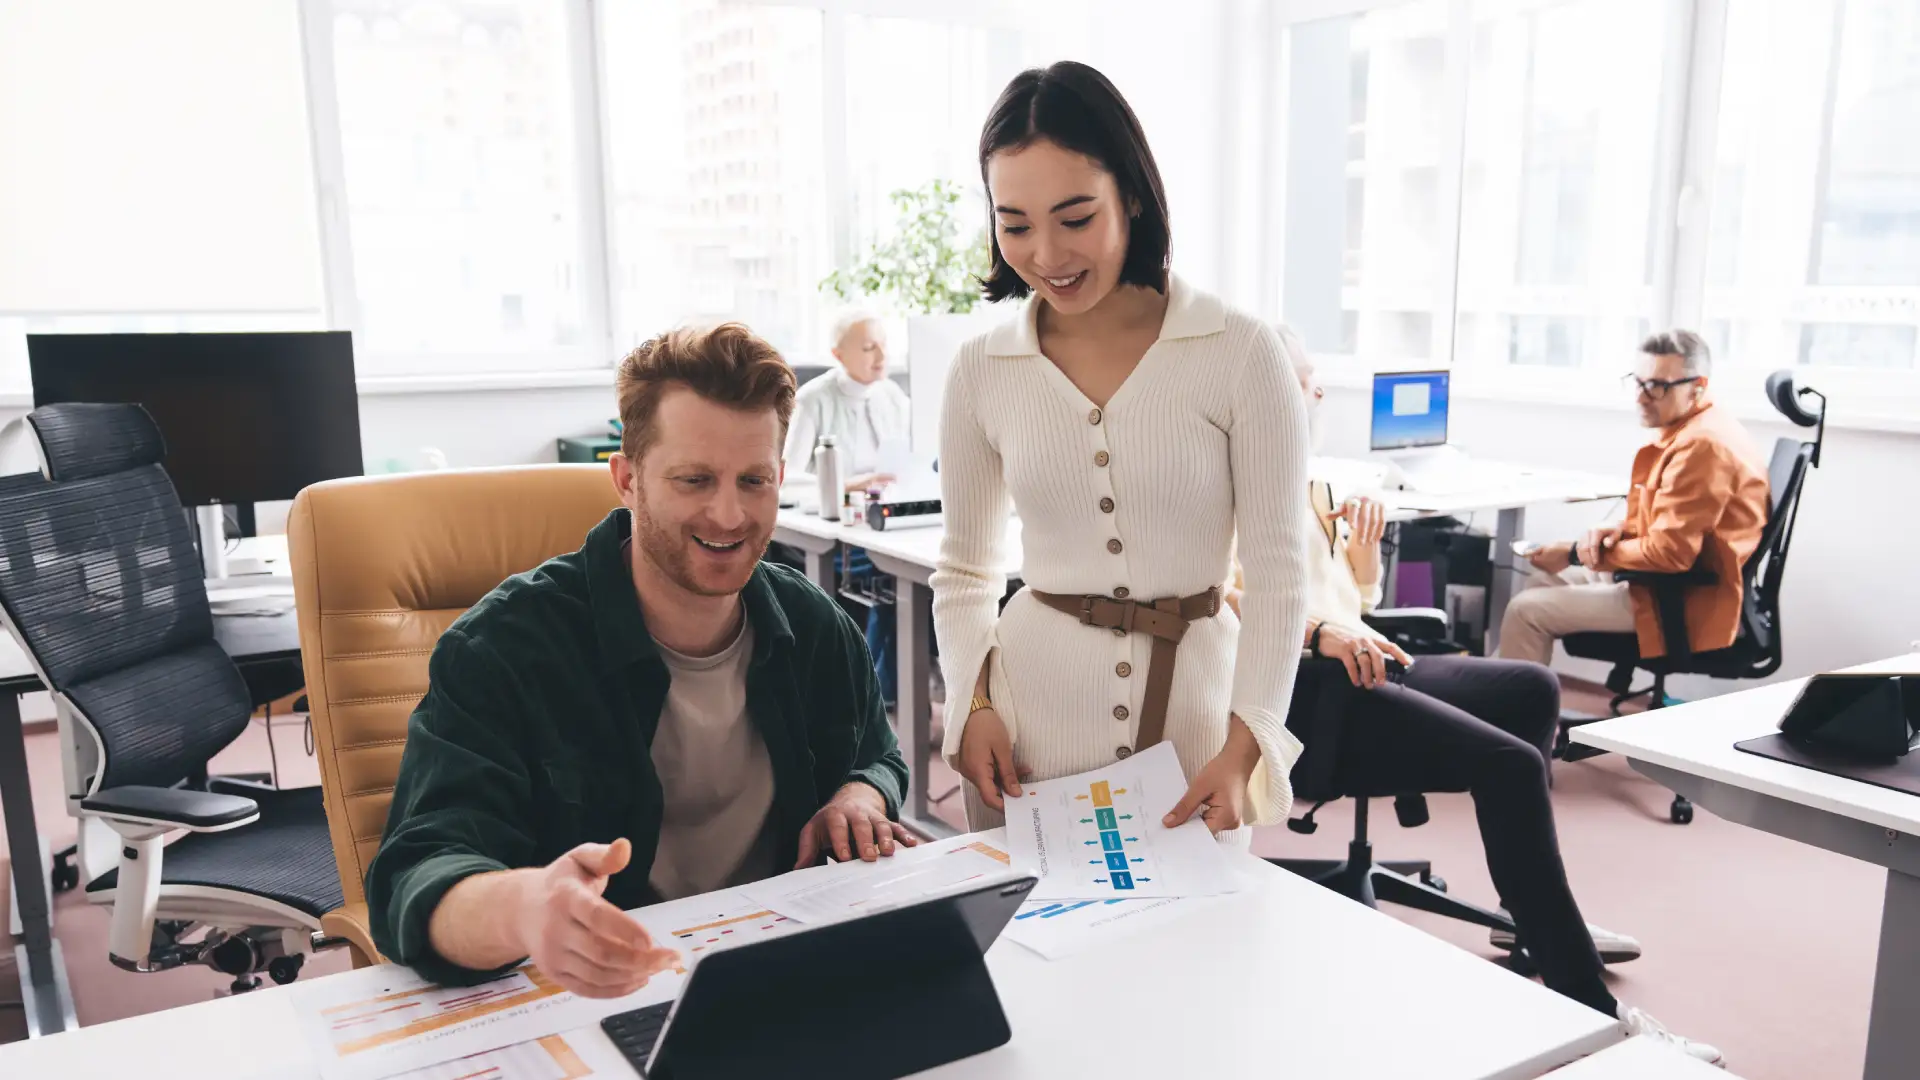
{"x": 1860, "y": 726}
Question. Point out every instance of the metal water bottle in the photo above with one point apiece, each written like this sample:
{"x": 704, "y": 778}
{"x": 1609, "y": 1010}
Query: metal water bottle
{"x": 826, "y": 467}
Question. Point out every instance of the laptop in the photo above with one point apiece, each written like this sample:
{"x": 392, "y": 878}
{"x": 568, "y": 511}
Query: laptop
{"x": 873, "y": 998}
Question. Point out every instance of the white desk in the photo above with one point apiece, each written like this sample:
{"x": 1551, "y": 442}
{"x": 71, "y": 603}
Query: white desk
{"x": 1286, "y": 979}
{"x": 1640, "y": 1058}
{"x": 1509, "y": 502}
{"x": 1689, "y": 749}
{"x": 817, "y": 538}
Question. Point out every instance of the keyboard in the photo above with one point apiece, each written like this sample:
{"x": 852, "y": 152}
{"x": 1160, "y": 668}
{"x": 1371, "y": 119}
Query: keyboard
{"x": 636, "y": 1032}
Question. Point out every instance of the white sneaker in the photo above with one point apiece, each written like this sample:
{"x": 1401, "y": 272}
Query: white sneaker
{"x": 1639, "y": 1023}
{"x": 1613, "y": 948}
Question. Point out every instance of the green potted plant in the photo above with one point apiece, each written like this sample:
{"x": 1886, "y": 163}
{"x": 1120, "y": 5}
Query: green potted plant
{"x": 925, "y": 272}
{"x": 923, "y": 268}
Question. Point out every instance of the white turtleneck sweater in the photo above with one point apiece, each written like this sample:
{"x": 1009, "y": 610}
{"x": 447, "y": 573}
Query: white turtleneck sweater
{"x": 1206, "y": 436}
{"x": 860, "y": 416}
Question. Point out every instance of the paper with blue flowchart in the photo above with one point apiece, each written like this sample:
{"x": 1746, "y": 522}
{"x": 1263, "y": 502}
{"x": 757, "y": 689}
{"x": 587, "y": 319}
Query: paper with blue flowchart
{"x": 1061, "y": 928}
{"x": 1098, "y": 835}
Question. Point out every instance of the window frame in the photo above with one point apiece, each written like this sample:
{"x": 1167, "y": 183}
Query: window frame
{"x": 402, "y": 371}
{"x": 1680, "y": 219}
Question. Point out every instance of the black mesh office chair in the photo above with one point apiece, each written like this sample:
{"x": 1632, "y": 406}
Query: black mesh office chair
{"x": 1322, "y": 697}
{"x": 1755, "y": 652}
{"x": 100, "y": 584}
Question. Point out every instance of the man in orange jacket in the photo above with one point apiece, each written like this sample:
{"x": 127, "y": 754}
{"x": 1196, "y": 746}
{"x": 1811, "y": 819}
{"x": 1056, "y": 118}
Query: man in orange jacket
{"x": 1699, "y": 498}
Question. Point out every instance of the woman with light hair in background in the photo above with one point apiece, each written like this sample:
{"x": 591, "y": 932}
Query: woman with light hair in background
{"x": 864, "y": 411}
{"x": 855, "y": 403}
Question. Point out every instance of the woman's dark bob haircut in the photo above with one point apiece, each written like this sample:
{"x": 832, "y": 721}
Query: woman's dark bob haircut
{"x": 1074, "y": 107}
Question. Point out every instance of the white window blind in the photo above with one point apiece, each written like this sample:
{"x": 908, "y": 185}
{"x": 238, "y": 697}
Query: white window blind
{"x": 154, "y": 159}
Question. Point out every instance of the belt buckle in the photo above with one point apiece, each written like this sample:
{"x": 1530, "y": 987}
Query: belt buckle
{"x": 1086, "y": 610}
{"x": 1213, "y": 601}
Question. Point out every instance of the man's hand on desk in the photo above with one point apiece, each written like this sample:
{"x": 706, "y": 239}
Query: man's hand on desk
{"x": 589, "y": 946}
{"x": 854, "y": 822}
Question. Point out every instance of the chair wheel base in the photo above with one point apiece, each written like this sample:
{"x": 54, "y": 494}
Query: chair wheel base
{"x": 1681, "y": 811}
{"x": 1520, "y": 962}
{"x": 66, "y": 871}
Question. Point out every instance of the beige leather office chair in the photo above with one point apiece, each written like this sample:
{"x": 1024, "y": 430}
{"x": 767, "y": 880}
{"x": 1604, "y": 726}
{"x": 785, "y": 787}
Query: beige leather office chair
{"x": 381, "y": 567}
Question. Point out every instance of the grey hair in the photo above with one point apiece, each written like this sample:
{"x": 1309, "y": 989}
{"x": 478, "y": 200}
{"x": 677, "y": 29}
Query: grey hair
{"x": 846, "y": 321}
{"x": 1685, "y": 344}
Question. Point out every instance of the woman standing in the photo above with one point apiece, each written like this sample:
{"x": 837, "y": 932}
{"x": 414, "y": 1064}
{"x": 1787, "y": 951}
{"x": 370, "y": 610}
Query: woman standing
{"x": 1135, "y": 422}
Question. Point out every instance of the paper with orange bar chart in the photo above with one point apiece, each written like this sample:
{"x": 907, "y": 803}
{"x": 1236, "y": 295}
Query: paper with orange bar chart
{"x": 387, "y": 1022}
{"x": 578, "y": 1055}
{"x": 1098, "y": 835}
{"x": 824, "y": 894}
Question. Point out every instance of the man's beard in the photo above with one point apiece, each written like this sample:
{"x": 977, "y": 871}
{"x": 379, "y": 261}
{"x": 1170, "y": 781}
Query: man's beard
{"x": 668, "y": 549}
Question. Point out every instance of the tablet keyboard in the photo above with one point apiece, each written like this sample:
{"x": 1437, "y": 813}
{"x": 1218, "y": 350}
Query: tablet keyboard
{"x": 635, "y": 1032}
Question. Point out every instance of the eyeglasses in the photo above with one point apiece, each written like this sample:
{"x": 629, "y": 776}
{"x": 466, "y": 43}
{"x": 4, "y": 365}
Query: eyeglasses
{"x": 1655, "y": 389}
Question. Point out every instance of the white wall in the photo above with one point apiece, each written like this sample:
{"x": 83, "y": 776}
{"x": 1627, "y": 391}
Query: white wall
{"x": 1852, "y": 589}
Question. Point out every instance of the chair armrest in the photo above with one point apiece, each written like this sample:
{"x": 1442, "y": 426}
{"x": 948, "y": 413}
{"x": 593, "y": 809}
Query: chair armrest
{"x": 353, "y": 924}
{"x": 1420, "y": 621}
{"x": 1670, "y": 604}
{"x": 1696, "y": 576}
{"x": 178, "y": 808}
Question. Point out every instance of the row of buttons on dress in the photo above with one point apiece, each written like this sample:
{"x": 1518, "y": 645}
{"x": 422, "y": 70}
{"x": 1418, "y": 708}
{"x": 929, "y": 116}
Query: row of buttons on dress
{"x": 1114, "y": 547}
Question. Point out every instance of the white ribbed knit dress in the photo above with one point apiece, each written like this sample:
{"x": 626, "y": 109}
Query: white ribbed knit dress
{"x": 1206, "y": 437}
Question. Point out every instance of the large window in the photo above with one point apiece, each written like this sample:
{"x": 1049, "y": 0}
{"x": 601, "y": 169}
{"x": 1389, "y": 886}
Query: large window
{"x": 916, "y": 94}
{"x": 1368, "y": 229}
{"x": 1814, "y": 245}
{"x": 1477, "y": 176}
{"x": 1527, "y": 187}
{"x": 154, "y": 171}
{"x": 456, "y": 124}
{"x": 479, "y": 186}
{"x": 1556, "y": 225}
{"x": 717, "y": 188}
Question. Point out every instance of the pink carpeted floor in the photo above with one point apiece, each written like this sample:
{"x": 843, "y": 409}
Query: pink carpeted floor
{"x": 1760, "y": 945}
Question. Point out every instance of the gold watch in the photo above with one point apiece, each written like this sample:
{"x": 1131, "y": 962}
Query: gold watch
{"x": 977, "y": 704}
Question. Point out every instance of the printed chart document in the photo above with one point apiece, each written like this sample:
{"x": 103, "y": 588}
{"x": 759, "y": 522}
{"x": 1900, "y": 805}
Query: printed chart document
{"x": 704, "y": 924}
{"x": 821, "y": 894}
{"x": 1098, "y": 836}
{"x": 576, "y": 1055}
{"x": 1059, "y": 928}
{"x": 386, "y": 1021}
{"x": 382, "y": 1021}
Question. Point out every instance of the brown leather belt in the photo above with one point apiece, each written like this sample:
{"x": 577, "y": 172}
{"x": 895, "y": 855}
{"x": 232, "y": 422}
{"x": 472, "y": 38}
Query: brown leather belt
{"x": 1165, "y": 619}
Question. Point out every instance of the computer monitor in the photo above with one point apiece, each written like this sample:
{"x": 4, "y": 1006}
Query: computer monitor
{"x": 247, "y": 417}
{"x": 1409, "y": 410}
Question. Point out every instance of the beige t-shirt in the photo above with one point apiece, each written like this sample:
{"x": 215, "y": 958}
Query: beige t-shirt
{"x": 716, "y": 776}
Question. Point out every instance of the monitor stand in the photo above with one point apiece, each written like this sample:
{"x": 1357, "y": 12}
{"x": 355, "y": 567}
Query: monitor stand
{"x": 213, "y": 541}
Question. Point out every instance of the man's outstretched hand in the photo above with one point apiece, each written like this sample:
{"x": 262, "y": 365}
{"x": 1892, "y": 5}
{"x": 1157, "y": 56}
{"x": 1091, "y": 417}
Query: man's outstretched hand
{"x": 572, "y": 933}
